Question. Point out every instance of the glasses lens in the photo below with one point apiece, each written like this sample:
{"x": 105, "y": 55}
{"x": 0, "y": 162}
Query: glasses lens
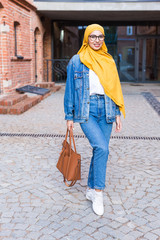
{"x": 101, "y": 38}
{"x": 93, "y": 37}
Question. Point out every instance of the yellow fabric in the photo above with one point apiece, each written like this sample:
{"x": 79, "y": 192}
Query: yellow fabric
{"x": 102, "y": 63}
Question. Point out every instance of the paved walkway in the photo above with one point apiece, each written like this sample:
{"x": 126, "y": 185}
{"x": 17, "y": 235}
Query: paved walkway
{"x": 35, "y": 204}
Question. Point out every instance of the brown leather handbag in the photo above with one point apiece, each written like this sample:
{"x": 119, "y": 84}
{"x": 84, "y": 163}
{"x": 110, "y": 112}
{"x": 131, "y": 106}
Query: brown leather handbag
{"x": 69, "y": 162}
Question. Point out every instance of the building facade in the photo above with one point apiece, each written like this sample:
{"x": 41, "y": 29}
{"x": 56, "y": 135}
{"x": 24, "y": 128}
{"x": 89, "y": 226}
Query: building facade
{"x": 37, "y": 38}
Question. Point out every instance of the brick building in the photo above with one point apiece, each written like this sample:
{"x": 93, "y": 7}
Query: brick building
{"x": 37, "y": 38}
{"x": 22, "y": 44}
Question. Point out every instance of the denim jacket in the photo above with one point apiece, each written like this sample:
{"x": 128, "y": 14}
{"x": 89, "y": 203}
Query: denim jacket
{"x": 77, "y": 94}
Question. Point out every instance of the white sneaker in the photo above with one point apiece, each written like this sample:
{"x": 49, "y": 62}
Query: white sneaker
{"x": 97, "y": 201}
{"x": 89, "y": 193}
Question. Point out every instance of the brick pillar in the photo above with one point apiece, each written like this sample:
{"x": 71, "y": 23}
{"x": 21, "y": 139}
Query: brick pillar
{"x": 47, "y": 51}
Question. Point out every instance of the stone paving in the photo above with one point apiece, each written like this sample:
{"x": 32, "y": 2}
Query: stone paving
{"x": 35, "y": 203}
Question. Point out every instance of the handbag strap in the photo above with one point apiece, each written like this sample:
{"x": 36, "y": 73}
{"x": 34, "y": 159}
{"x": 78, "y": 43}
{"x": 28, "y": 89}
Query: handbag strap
{"x": 65, "y": 140}
{"x": 71, "y": 137}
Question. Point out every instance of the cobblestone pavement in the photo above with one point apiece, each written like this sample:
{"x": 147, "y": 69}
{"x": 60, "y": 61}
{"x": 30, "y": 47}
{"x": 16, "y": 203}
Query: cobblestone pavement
{"x": 34, "y": 202}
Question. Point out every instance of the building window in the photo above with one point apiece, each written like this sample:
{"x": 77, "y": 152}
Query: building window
{"x": 1, "y": 6}
{"x": 129, "y": 30}
{"x": 16, "y": 37}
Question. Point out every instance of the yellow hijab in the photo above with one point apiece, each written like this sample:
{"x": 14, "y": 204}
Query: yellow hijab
{"x": 102, "y": 63}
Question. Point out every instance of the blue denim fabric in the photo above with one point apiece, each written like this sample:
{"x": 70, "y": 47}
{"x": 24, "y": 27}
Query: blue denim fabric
{"x": 98, "y": 132}
{"x": 76, "y": 98}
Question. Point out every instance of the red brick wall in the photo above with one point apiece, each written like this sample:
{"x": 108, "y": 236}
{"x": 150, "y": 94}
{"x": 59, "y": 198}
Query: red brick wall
{"x": 47, "y": 52}
{"x": 22, "y": 75}
{"x": 16, "y": 72}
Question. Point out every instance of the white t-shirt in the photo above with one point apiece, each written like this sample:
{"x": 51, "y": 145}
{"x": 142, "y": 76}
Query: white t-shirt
{"x": 94, "y": 83}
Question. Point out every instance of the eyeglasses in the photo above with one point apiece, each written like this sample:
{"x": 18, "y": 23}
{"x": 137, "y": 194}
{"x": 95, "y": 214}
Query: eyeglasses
{"x": 94, "y": 37}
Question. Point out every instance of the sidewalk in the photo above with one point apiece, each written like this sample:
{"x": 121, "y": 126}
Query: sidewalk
{"x": 34, "y": 202}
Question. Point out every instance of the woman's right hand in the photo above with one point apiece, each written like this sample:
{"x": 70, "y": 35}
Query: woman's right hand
{"x": 118, "y": 124}
{"x": 70, "y": 125}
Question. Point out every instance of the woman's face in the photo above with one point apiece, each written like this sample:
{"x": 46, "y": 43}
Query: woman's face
{"x": 95, "y": 40}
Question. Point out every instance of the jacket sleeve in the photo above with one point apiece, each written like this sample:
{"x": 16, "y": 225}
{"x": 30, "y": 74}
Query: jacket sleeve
{"x": 69, "y": 93}
{"x": 118, "y": 113}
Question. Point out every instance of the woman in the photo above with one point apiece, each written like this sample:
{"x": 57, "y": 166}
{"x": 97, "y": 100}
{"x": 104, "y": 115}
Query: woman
{"x": 93, "y": 97}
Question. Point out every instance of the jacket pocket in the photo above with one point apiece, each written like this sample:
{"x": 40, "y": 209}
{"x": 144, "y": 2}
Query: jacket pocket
{"x": 78, "y": 79}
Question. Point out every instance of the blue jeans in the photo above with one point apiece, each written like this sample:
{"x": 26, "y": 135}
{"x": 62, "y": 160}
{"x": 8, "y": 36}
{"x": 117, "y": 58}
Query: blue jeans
{"x": 98, "y": 132}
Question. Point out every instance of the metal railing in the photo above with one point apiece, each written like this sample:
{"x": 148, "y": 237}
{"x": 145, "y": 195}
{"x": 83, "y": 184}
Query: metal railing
{"x": 55, "y": 70}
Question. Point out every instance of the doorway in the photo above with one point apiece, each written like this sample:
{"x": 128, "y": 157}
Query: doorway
{"x": 35, "y": 50}
{"x": 147, "y": 59}
{"x": 37, "y": 56}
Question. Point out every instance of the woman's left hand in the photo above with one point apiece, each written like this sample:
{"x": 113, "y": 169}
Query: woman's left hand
{"x": 118, "y": 124}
